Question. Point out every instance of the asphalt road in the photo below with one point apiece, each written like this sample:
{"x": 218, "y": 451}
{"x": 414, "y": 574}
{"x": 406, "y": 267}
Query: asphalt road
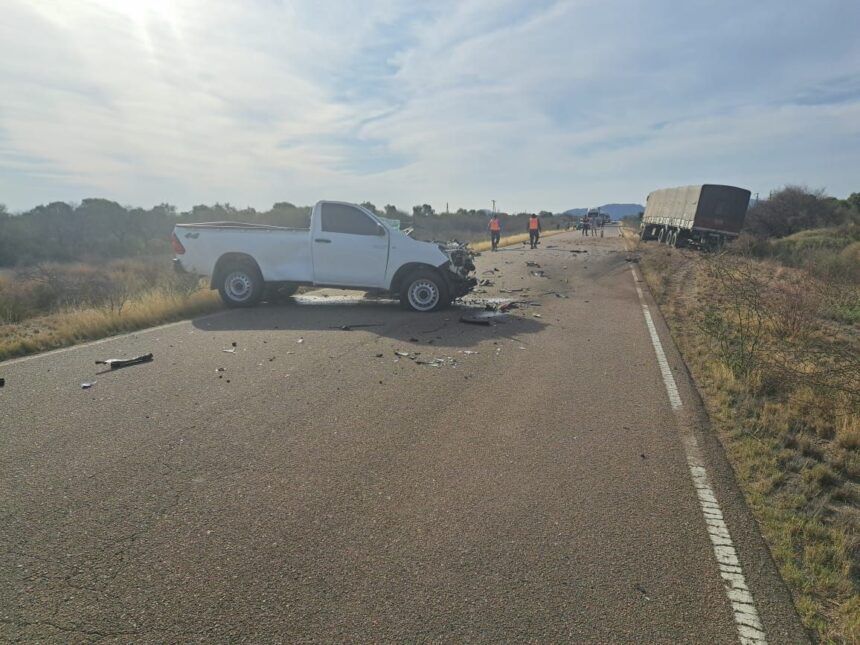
{"x": 530, "y": 486}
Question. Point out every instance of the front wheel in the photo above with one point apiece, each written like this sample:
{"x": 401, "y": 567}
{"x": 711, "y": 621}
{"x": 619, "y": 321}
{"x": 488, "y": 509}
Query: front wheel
{"x": 241, "y": 285}
{"x": 424, "y": 291}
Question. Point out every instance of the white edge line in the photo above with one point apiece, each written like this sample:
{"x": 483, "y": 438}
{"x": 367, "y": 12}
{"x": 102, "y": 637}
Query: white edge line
{"x": 747, "y": 621}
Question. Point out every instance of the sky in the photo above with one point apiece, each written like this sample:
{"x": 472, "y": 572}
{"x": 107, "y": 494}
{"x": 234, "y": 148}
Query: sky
{"x": 537, "y": 104}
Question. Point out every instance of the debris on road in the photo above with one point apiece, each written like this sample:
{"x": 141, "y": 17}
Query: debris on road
{"x": 469, "y": 352}
{"x": 300, "y": 340}
{"x": 220, "y": 369}
{"x": 87, "y": 386}
{"x": 540, "y": 274}
{"x": 578, "y": 251}
{"x": 486, "y": 283}
{"x": 631, "y": 259}
{"x": 2, "y": 382}
{"x": 489, "y": 272}
{"x": 231, "y": 350}
{"x": 355, "y": 326}
{"x": 517, "y": 290}
{"x": 402, "y": 354}
{"x": 536, "y": 315}
{"x": 117, "y": 363}
{"x": 529, "y": 263}
{"x": 472, "y": 320}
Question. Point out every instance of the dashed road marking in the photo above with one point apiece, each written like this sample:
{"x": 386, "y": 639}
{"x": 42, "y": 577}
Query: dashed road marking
{"x": 750, "y": 630}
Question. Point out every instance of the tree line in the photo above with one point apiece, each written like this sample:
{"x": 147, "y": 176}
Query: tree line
{"x": 98, "y": 230}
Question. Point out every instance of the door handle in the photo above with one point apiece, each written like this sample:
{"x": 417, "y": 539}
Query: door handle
{"x": 322, "y": 240}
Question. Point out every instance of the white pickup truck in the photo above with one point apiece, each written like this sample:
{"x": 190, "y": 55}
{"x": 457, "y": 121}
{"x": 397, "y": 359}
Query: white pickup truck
{"x": 346, "y": 246}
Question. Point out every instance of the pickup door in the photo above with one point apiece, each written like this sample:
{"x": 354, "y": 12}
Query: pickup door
{"x": 349, "y": 247}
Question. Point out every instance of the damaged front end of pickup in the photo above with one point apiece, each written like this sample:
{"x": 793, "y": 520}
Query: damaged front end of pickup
{"x": 459, "y": 267}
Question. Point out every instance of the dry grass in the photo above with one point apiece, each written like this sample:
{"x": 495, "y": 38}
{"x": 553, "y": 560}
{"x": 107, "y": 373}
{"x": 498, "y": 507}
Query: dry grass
{"x": 789, "y": 416}
{"x": 511, "y": 240}
{"x": 74, "y": 325}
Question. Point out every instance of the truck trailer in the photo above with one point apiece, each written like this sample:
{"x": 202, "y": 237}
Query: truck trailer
{"x": 705, "y": 216}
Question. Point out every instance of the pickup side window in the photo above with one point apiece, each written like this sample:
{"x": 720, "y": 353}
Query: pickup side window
{"x": 340, "y": 218}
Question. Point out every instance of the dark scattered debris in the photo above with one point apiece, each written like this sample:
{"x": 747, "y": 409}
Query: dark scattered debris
{"x": 631, "y": 259}
{"x": 578, "y": 251}
{"x": 234, "y": 344}
{"x": 486, "y": 283}
{"x": 379, "y": 356}
{"x": 117, "y": 363}
{"x": 472, "y": 320}
{"x": 529, "y": 263}
{"x": 355, "y": 326}
{"x": 2, "y": 382}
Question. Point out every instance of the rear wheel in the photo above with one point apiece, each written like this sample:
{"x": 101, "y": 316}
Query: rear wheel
{"x": 241, "y": 285}
{"x": 424, "y": 290}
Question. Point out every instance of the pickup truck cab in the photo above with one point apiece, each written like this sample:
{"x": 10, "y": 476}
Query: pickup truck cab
{"x": 346, "y": 246}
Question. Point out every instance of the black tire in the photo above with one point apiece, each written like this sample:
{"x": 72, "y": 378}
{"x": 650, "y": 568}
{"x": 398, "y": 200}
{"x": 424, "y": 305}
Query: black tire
{"x": 424, "y": 290}
{"x": 241, "y": 285}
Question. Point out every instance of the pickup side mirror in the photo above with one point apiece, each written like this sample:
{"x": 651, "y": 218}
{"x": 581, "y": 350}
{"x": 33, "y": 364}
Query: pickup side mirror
{"x": 380, "y": 230}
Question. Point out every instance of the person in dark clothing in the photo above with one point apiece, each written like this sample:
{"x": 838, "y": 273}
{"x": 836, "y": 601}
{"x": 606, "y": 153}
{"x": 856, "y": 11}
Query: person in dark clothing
{"x": 534, "y": 231}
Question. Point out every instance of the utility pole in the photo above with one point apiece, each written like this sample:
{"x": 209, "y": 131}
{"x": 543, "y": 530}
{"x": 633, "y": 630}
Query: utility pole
{"x": 494, "y": 205}
{"x": 446, "y": 208}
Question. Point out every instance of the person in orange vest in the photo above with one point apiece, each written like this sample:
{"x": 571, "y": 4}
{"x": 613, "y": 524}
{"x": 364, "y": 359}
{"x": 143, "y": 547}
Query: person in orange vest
{"x": 495, "y": 231}
{"x": 534, "y": 230}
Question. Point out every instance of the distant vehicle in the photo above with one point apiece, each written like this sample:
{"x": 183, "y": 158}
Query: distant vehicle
{"x": 346, "y": 246}
{"x": 703, "y": 216}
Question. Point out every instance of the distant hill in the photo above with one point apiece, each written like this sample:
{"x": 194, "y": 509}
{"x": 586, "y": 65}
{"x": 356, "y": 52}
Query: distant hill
{"x": 615, "y": 211}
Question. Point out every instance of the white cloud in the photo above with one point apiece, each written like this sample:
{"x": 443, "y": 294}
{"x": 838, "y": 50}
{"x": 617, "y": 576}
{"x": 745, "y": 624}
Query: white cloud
{"x": 539, "y": 105}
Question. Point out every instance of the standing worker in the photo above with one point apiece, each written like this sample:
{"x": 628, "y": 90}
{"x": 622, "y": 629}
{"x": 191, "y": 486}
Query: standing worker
{"x": 585, "y": 225}
{"x": 495, "y": 231}
{"x": 534, "y": 230}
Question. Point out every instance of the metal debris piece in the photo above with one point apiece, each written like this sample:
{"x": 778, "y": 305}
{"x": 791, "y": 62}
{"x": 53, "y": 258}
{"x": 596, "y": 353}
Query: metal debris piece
{"x": 300, "y": 340}
{"x": 117, "y": 363}
{"x": 540, "y": 274}
{"x": 87, "y": 386}
{"x": 536, "y": 315}
{"x": 355, "y": 326}
{"x": 486, "y": 283}
{"x": 232, "y": 350}
{"x": 403, "y": 354}
{"x": 469, "y": 352}
{"x": 471, "y": 320}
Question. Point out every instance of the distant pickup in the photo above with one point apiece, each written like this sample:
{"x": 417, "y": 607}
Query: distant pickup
{"x": 704, "y": 217}
{"x": 346, "y": 246}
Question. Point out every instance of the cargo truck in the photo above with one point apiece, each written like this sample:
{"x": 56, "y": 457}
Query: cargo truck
{"x": 704, "y": 216}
